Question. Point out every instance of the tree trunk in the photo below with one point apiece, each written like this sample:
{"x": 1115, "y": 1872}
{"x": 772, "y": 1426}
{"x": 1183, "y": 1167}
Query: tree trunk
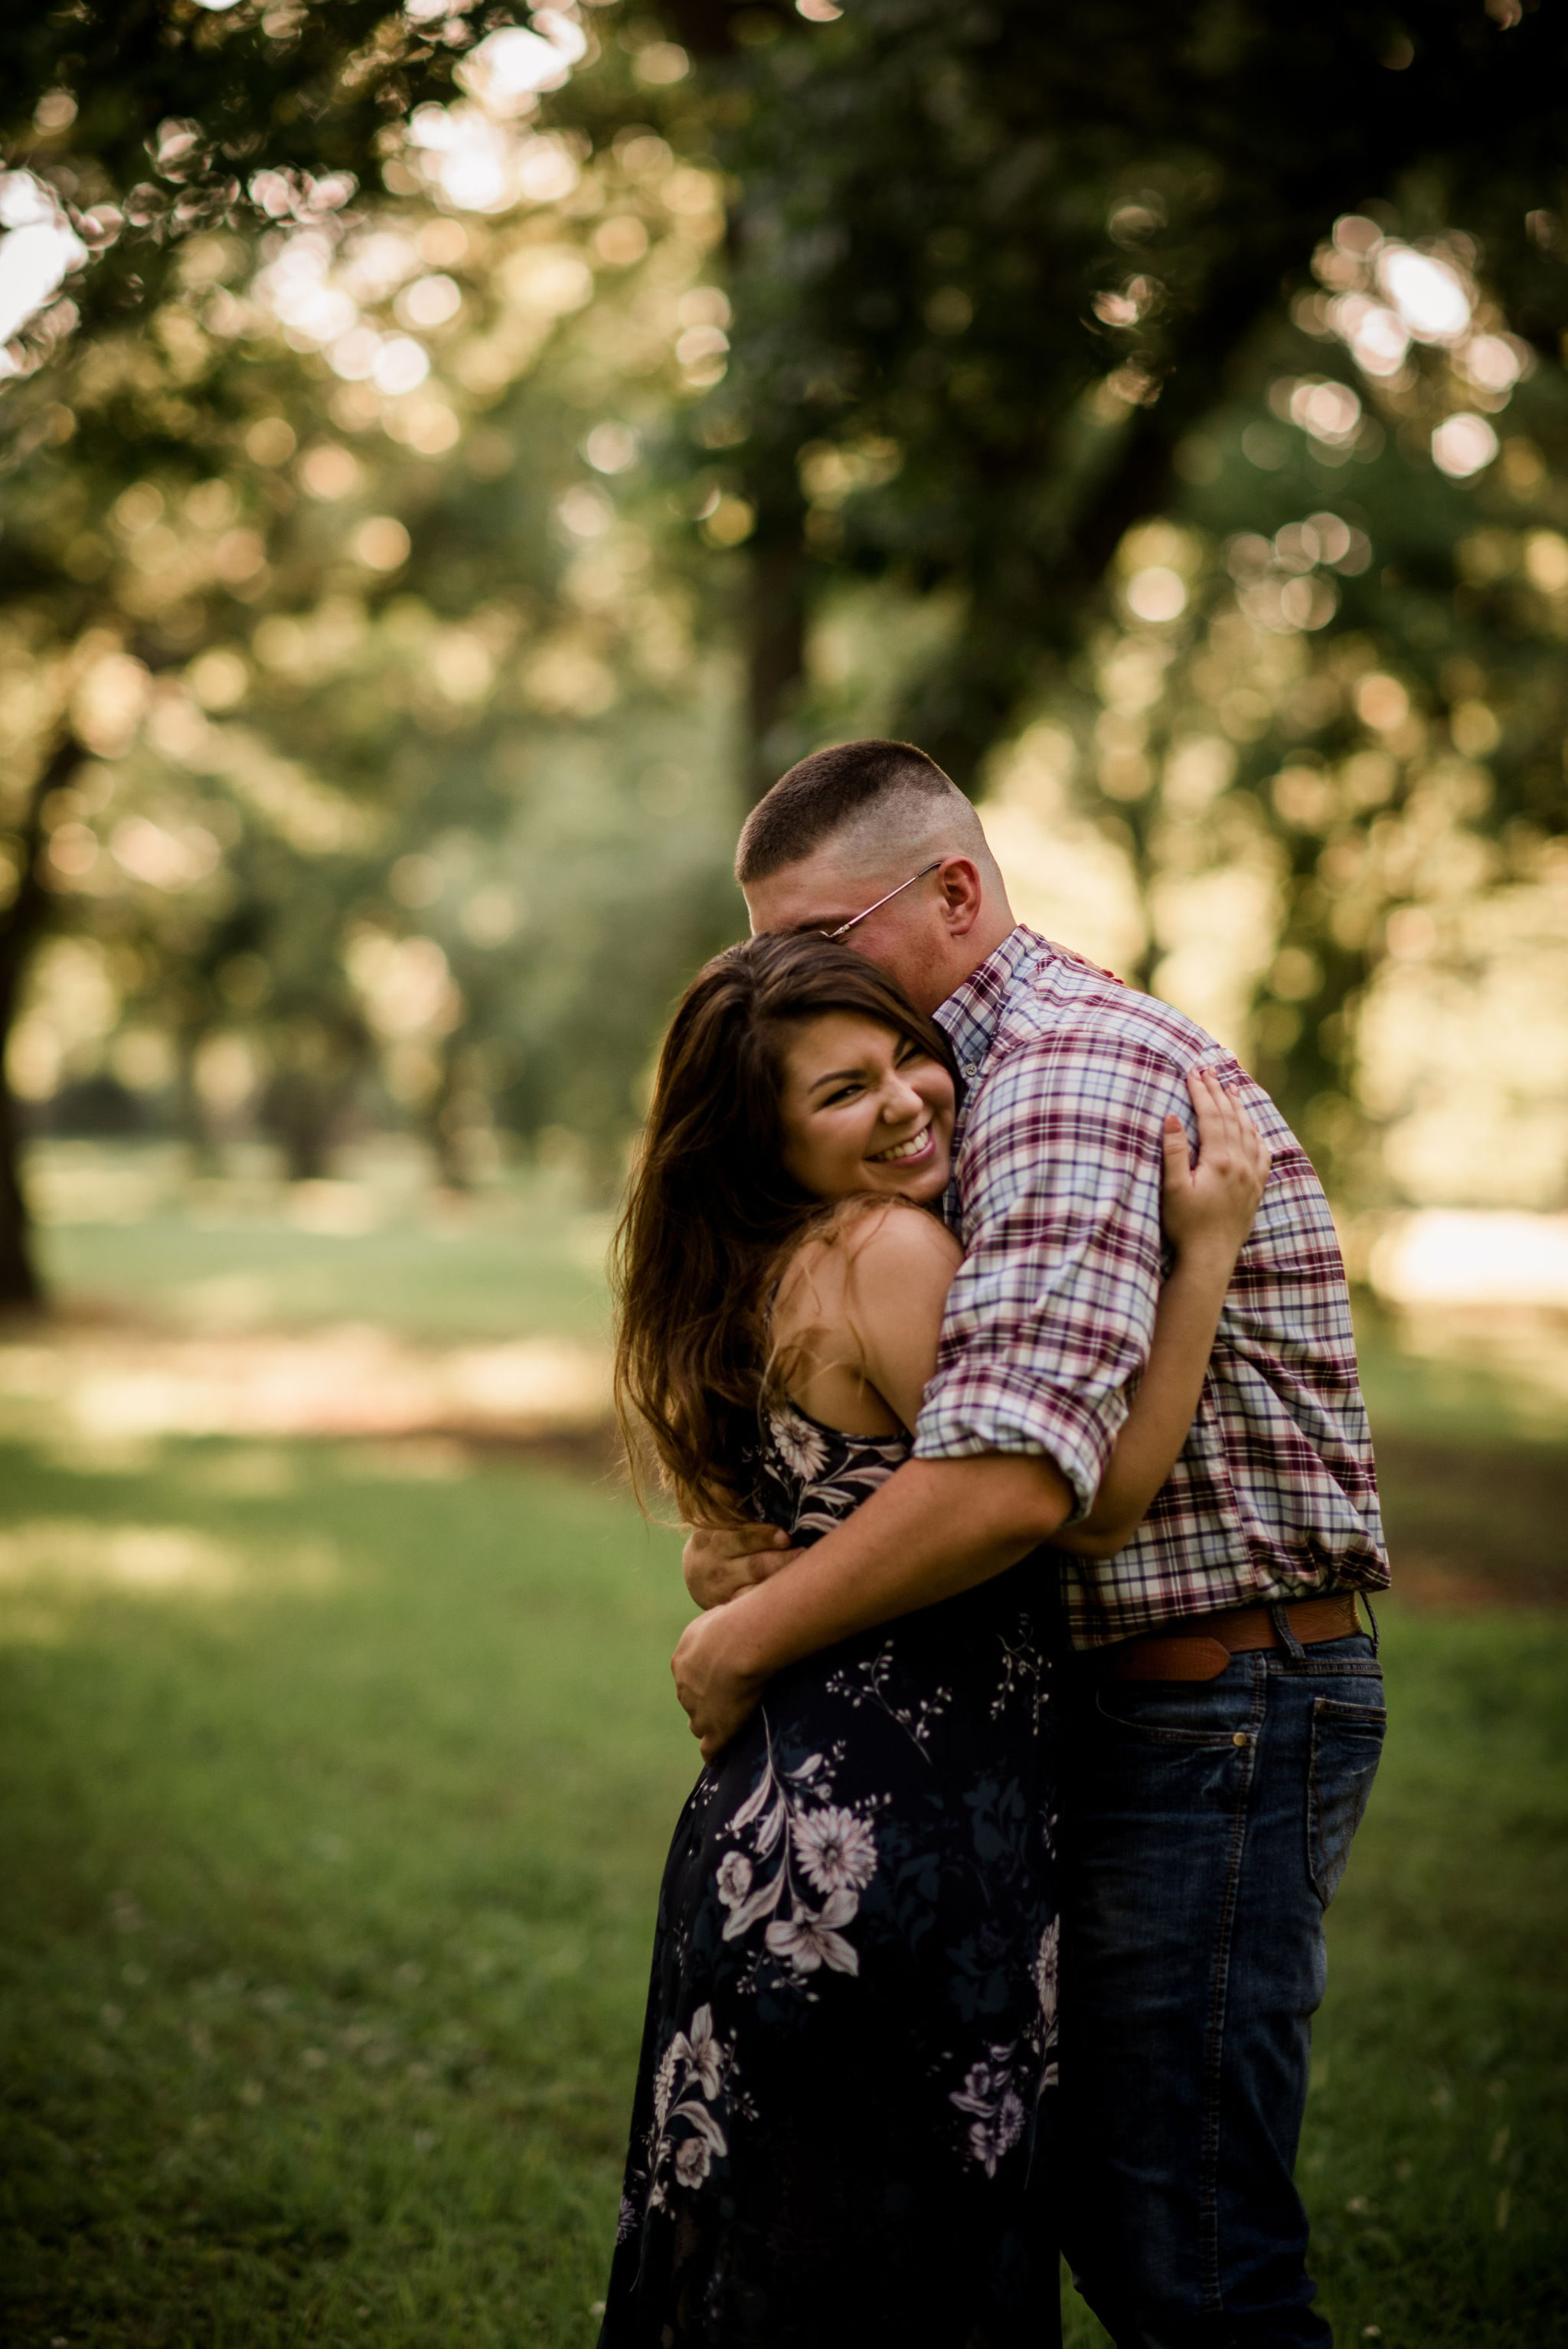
{"x": 777, "y": 657}
{"x": 452, "y": 1166}
{"x": 312, "y": 1089}
{"x": 20, "y": 929}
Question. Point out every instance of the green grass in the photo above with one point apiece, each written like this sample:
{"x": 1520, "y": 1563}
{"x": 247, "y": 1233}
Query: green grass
{"x": 333, "y": 1801}
{"x": 453, "y": 1281}
{"x": 330, "y": 1895}
{"x": 1434, "y": 2153}
{"x": 123, "y": 1228}
{"x": 330, "y": 1864}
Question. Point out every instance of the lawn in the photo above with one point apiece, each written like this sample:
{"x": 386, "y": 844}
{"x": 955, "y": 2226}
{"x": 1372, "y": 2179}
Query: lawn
{"x": 123, "y": 1228}
{"x": 333, "y": 1815}
{"x": 335, "y": 1805}
{"x": 336, "y": 1785}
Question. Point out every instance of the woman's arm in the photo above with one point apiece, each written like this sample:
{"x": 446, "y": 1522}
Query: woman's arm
{"x": 1207, "y": 1209}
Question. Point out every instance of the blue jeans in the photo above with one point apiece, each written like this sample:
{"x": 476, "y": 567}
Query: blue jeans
{"x": 1208, "y": 1825}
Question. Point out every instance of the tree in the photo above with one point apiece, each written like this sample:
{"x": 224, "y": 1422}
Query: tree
{"x": 294, "y": 614}
{"x": 1011, "y": 284}
{"x": 952, "y": 224}
{"x": 125, "y": 132}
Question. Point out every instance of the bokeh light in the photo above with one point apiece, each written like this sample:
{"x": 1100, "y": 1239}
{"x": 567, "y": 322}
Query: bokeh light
{"x": 1462, "y": 444}
{"x": 1156, "y": 593}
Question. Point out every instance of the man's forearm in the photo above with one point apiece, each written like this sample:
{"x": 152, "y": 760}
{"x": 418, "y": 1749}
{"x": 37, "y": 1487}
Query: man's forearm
{"x": 936, "y": 1527}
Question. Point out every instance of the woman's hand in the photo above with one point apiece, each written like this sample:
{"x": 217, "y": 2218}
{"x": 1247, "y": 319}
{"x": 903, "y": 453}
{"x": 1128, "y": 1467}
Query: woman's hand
{"x": 719, "y": 1693}
{"x": 1211, "y": 1201}
{"x": 719, "y": 1562}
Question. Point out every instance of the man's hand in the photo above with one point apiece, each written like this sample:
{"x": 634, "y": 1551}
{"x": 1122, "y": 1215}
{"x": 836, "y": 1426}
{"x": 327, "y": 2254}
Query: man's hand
{"x": 721, "y": 1561}
{"x": 935, "y": 1527}
{"x": 719, "y": 1693}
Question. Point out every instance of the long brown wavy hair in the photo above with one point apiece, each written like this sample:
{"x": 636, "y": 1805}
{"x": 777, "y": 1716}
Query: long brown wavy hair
{"x": 712, "y": 1212}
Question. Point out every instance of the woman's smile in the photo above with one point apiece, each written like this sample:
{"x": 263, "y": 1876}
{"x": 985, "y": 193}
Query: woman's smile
{"x": 849, "y": 1084}
{"x": 906, "y": 1153}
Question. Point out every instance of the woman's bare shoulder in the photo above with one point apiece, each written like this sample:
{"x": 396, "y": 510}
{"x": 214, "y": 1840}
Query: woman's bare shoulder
{"x": 867, "y": 1246}
{"x": 890, "y": 1239}
{"x": 901, "y": 1263}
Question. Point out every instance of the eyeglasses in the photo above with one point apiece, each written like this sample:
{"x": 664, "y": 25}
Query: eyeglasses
{"x": 855, "y": 919}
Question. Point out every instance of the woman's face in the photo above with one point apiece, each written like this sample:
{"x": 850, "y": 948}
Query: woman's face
{"x": 864, "y": 1110}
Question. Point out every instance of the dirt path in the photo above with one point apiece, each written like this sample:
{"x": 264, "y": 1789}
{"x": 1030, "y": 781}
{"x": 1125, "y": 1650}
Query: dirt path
{"x": 115, "y": 1384}
{"x": 1470, "y": 1525}
{"x": 1482, "y": 1524}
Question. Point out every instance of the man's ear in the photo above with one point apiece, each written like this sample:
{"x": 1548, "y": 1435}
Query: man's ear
{"x": 962, "y": 894}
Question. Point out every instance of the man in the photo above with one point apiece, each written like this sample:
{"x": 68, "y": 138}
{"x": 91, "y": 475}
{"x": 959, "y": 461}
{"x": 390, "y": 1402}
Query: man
{"x": 1224, "y": 1715}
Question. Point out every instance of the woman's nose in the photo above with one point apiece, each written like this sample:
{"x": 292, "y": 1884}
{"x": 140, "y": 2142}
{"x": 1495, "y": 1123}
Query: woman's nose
{"x": 900, "y": 1100}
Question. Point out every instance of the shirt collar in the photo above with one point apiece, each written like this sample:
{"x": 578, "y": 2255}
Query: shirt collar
{"x": 973, "y": 1012}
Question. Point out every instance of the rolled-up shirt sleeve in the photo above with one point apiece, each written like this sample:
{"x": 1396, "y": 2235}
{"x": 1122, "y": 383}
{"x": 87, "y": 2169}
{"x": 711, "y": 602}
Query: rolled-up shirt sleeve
{"x": 1051, "y": 1313}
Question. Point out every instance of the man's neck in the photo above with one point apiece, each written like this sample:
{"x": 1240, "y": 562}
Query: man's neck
{"x": 994, "y": 928}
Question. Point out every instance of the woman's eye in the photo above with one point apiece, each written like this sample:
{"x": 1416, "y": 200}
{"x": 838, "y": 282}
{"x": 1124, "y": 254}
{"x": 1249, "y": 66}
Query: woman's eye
{"x": 844, "y": 1093}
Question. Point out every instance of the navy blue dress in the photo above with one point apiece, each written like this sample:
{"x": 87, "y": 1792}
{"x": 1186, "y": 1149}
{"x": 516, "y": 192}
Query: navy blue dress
{"x": 837, "y": 2132}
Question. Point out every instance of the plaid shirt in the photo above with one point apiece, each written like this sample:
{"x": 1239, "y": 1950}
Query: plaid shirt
{"x": 1056, "y": 1197}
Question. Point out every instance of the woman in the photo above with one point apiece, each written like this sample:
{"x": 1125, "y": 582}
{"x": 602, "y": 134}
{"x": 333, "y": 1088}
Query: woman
{"x": 852, "y": 2017}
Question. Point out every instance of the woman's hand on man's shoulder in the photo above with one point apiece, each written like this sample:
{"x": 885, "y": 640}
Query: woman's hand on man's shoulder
{"x": 1209, "y": 1202}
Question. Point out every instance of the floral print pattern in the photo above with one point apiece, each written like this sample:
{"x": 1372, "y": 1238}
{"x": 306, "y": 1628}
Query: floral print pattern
{"x": 687, "y": 2087}
{"x": 799, "y": 1838}
{"x": 837, "y": 1850}
{"x": 868, "y": 1681}
{"x": 990, "y": 2092}
{"x": 851, "y": 2019}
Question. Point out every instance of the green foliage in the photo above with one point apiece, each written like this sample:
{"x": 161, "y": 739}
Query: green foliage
{"x": 153, "y": 122}
{"x": 932, "y": 205}
{"x": 1011, "y": 285}
{"x": 395, "y": 490}
{"x": 404, "y": 684}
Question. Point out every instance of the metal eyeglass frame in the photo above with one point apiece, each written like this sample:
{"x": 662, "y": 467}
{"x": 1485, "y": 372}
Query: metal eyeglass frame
{"x": 855, "y": 919}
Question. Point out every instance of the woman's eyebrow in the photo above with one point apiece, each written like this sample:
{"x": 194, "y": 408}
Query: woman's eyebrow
{"x": 834, "y": 1077}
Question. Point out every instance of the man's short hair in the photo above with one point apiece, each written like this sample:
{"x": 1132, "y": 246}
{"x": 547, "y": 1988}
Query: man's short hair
{"x": 834, "y": 789}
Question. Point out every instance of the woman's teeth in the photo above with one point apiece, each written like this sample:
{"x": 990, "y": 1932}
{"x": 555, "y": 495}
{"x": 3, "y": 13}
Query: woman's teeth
{"x": 910, "y": 1149}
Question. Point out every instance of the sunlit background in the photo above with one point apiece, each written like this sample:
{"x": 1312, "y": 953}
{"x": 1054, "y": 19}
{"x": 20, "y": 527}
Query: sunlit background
{"x": 449, "y": 466}
{"x": 378, "y": 614}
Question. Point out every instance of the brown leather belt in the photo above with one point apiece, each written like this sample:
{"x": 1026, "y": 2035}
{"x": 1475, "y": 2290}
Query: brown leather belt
{"x": 1200, "y": 1648}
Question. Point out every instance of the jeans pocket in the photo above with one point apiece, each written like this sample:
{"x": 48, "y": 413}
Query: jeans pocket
{"x": 1346, "y": 1746}
{"x": 1201, "y": 1713}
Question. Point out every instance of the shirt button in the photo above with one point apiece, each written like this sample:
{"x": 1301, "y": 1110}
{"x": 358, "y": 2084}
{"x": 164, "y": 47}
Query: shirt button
{"x": 1240, "y": 1738}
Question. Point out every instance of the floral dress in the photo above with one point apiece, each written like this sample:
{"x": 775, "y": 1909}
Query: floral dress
{"x": 837, "y": 2132}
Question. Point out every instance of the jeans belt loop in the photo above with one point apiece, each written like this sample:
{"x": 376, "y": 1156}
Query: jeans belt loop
{"x": 1279, "y": 1616}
